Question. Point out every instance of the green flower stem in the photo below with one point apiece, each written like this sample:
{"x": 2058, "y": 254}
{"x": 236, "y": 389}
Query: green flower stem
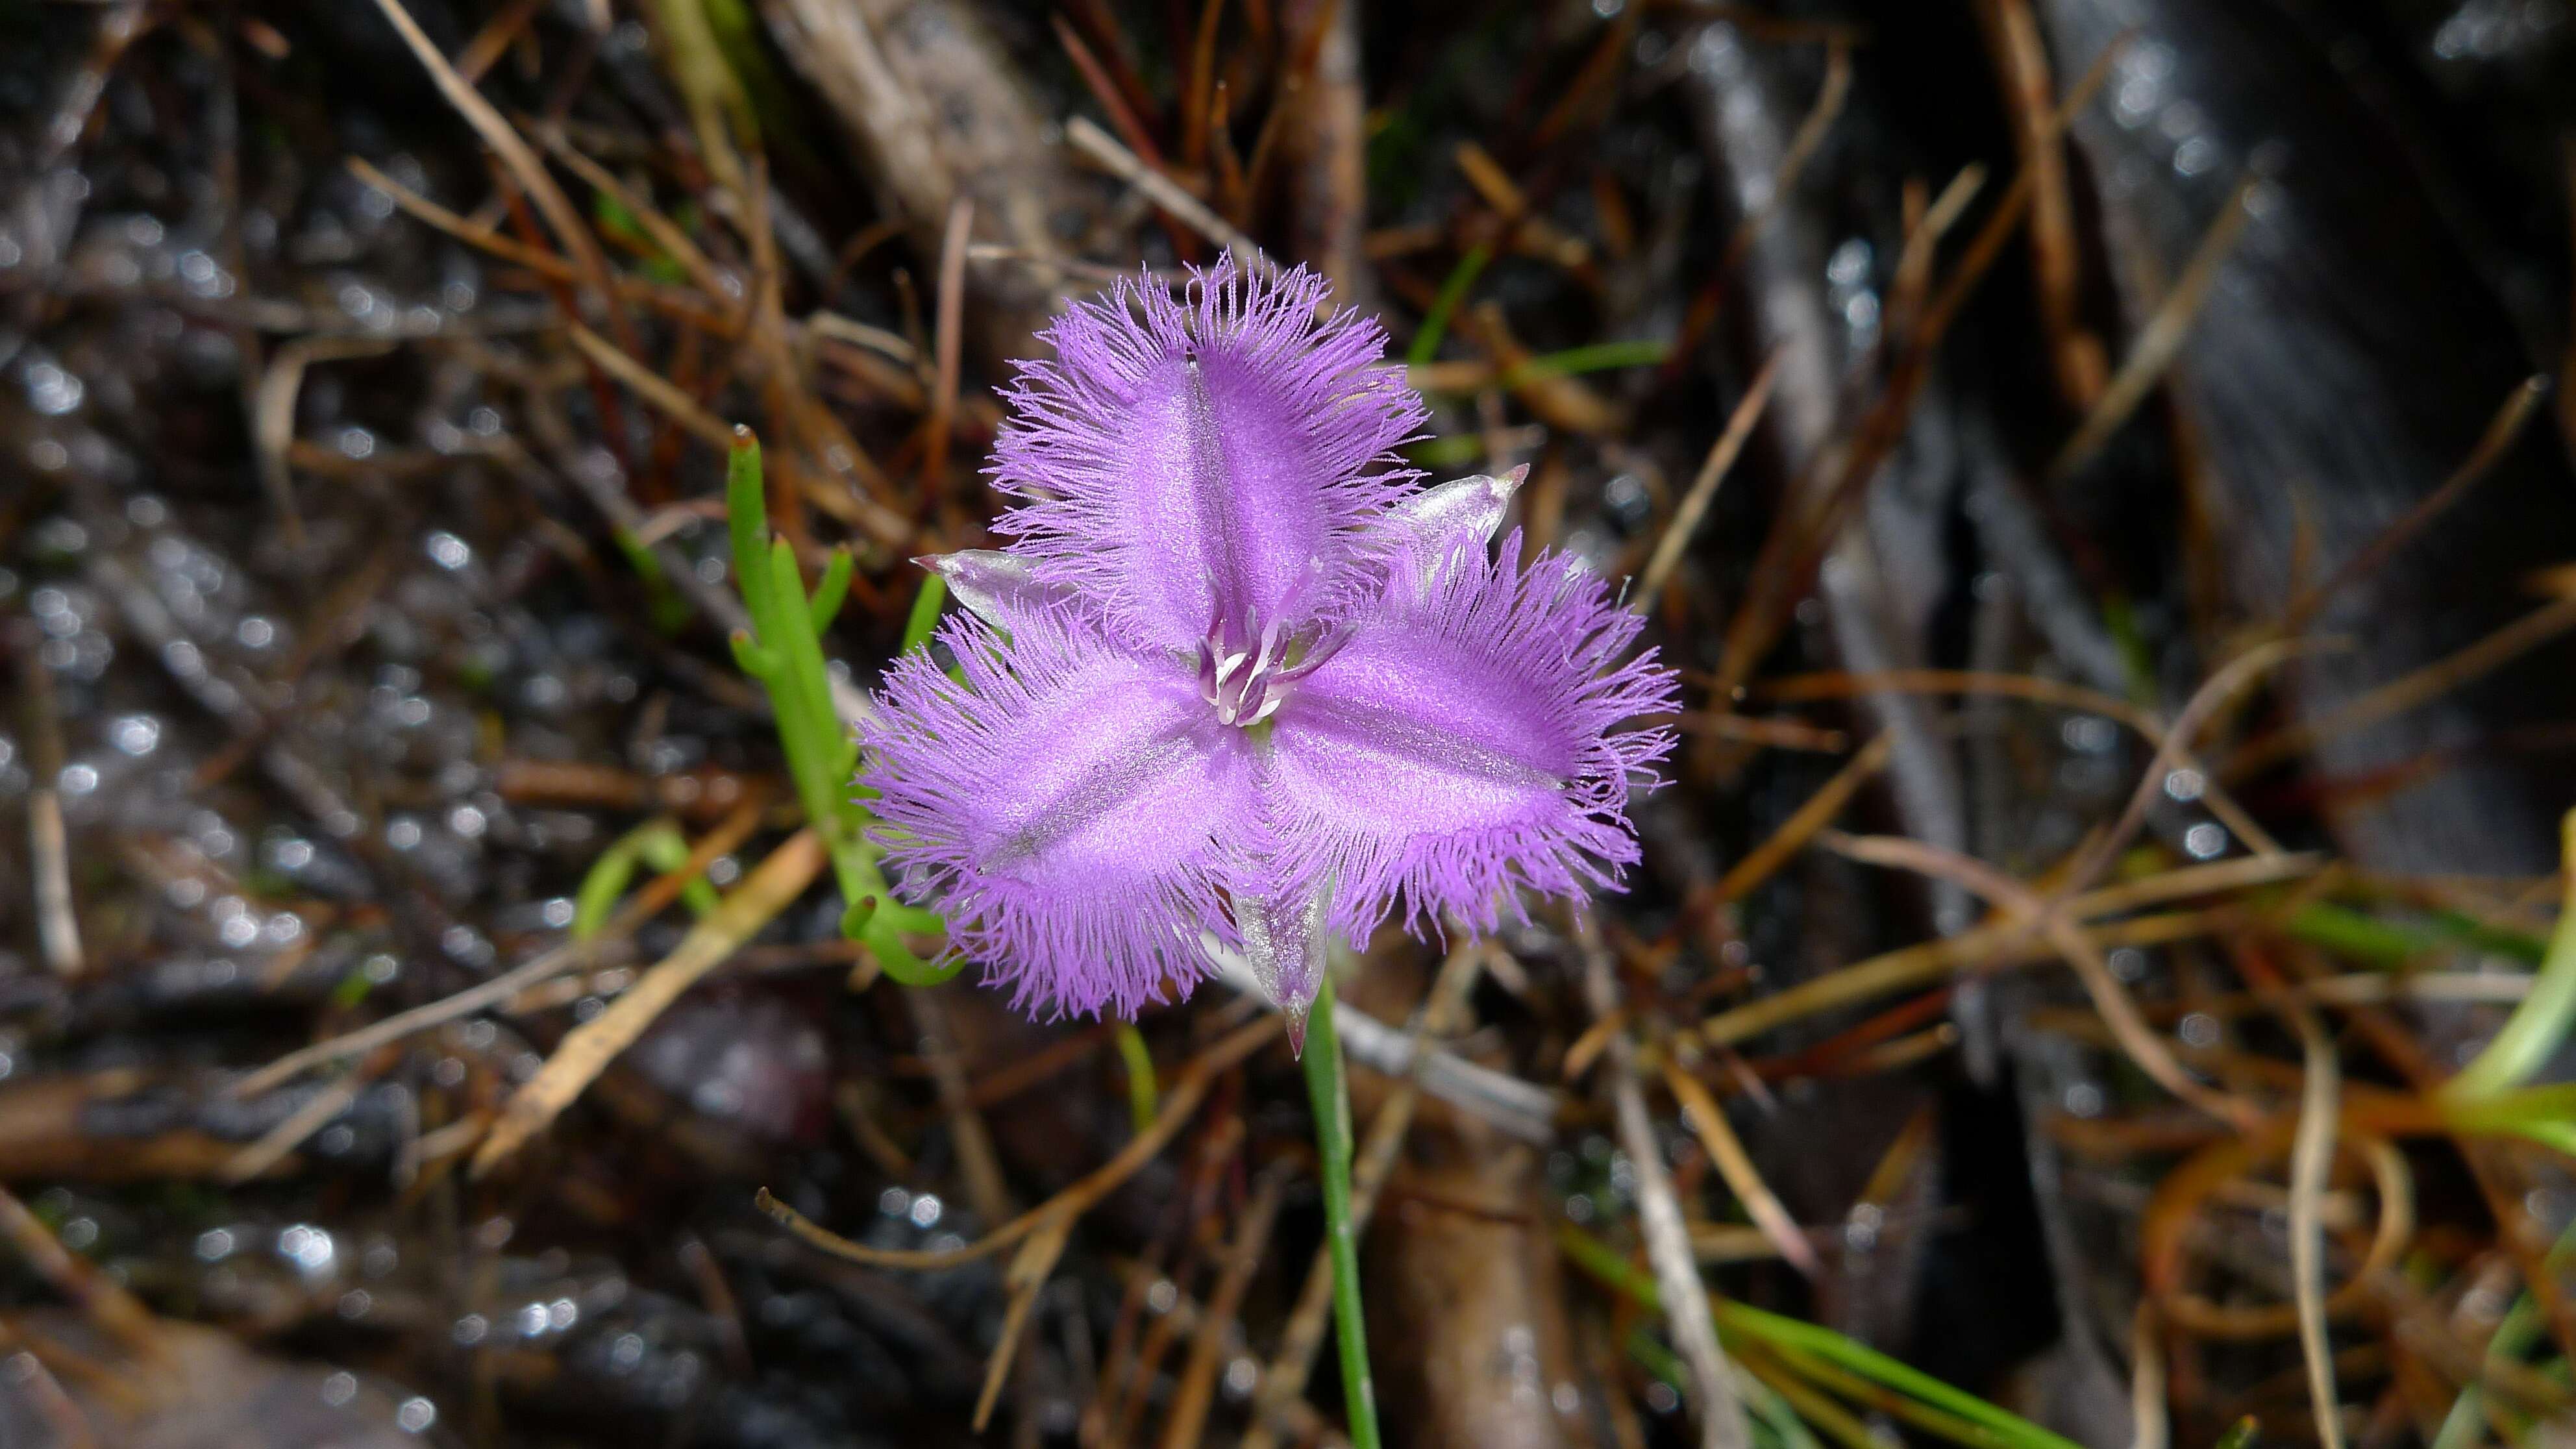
{"x": 1332, "y": 1098}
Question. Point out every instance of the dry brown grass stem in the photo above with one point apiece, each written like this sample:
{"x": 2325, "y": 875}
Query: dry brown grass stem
{"x": 585, "y": 1051}
{"x": 1713, "y": 1398}
{"x": 2160, "y": 341}
{"x": 1118, "y": 161}
{"x": 1186, "y": 1420}
{"x": 1994, "y": 946}
{"x": 2028, "y": 908}
{"x": 1813, "y": 815}
{"x": 1841, "y": 685}
{"x": 2312, "y": 1153}
{"x": 1188, "y": 1090}
{"x": 1712, "y": 471}
{"x": 562, "y": 218}
{"x": 1735, "y": 1165}
{"x": 2502, "y": 432}
{"x": 2407, "y": 691}
{"x": 656, "y": 896}
{"x": 950, "y": 345}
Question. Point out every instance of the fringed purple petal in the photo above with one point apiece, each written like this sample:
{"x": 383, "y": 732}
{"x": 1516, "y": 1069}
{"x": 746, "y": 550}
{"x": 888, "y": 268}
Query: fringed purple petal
{"x": 1212, "y": 455}
{"x": 1460, "y": 750}
{"x": 1068, "y": 807}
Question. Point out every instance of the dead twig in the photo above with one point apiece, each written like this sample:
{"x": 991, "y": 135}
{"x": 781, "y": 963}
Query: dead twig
{"x": 561, "y": 216}
{"x": 586, "y": 1051}
{"x": 1713, "y": 1396}
{"x": 2312, "y": 1154}
{"x": 48, "y": 845}
{"x": 1712, "y": 471}
{"x": 1118, "y": 161}
{"x": 2047, "y": 917}
{"x": 2160, "y": 341}
{"x": 1187, "y": 1417}
{"x": 2502, "y": 431}
{"x": 1188, "y": 1091}
{"x": 1736, "y": 1166}
{"x": 1819, "y": 809}
{"x": 1996, "y": 945}
{"x": 656, "y": 896}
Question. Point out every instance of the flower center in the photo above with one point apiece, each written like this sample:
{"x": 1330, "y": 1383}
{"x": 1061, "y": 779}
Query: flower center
{"x": 1241, "y": 674}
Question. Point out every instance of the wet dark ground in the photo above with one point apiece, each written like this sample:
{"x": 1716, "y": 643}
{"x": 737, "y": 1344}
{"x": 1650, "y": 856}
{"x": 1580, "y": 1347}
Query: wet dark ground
{"x": 320, "y": 641}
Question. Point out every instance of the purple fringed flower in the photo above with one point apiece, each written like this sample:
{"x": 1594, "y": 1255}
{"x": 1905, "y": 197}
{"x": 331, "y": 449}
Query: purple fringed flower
{"x": 1238, "y": 679}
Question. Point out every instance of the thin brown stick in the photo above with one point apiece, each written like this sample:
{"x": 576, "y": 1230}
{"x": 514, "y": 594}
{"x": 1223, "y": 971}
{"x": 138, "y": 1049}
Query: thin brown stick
{"x": 2502, "y": 432}
{"x": 705, "y": 426}
{"x": 656, "y": 896}
{"x": 1911, "y": 282}
{"x": 1026, "y": 1275}
{"x": 2204, "y": 705}
{"x": 1161, "y": 190}
{"x": 2021, "y": 53}
{"x": 273, "y": 1145}
{"x": 978, "y": 1162}
{"x": 951, "y": 343}
{"x": 665, "y": 233}
{"x": 102, "y": 1298}
{"x": 1186, "y": 1420}
{"x": 48, "y": 844}
{"x": 587, "y": 1049}
{"x": 2046, "y": 915}
{"x": 2160, "y": 341}
{"x": 2150, "y": 1424}
{"x": 2312, "y": 1153}
{"x": 1773, "y": 731}
{"x": 1668, "y": 1248}
{"x": 273, "y": 417}
{"x": 1840, "y": 685}
{"x": 1815, "y": 814}
{"x": 1995, "y": 945}
{"x": 1199, "y": 94}
{"x": 1187, "y": 1092}
{"x": 1735, "y": 1165}
{"x": 1712, "y": 471}
{"x": 558, "y": 210}
{"x": 1796, "y": 544}
{"x": 2408, "y": 690}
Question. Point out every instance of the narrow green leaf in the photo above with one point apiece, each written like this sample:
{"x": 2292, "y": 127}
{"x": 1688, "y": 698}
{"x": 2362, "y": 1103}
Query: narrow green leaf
{"x": 1435, "y": 323}
{"x": 751, "y": 659}
{"x": 2539, "y": 1025}
{"x": 1140, "y": 1076}
{"x": 829, "y": 593}
{"x": 925, "y": 612}
{"x": 854, "y": 921}
{"x": 747, "y": 520}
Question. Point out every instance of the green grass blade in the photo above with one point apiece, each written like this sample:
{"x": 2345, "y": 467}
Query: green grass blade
{"x": 1435, "y": 323}
{"x": 2539, "y": 1025}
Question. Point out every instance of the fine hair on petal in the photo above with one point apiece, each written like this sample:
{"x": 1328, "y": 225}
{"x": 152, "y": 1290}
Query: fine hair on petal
{"x": 1318, "y": 386}
{"x": 943, "y": 759}
{"x": 1553, "y": 632}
